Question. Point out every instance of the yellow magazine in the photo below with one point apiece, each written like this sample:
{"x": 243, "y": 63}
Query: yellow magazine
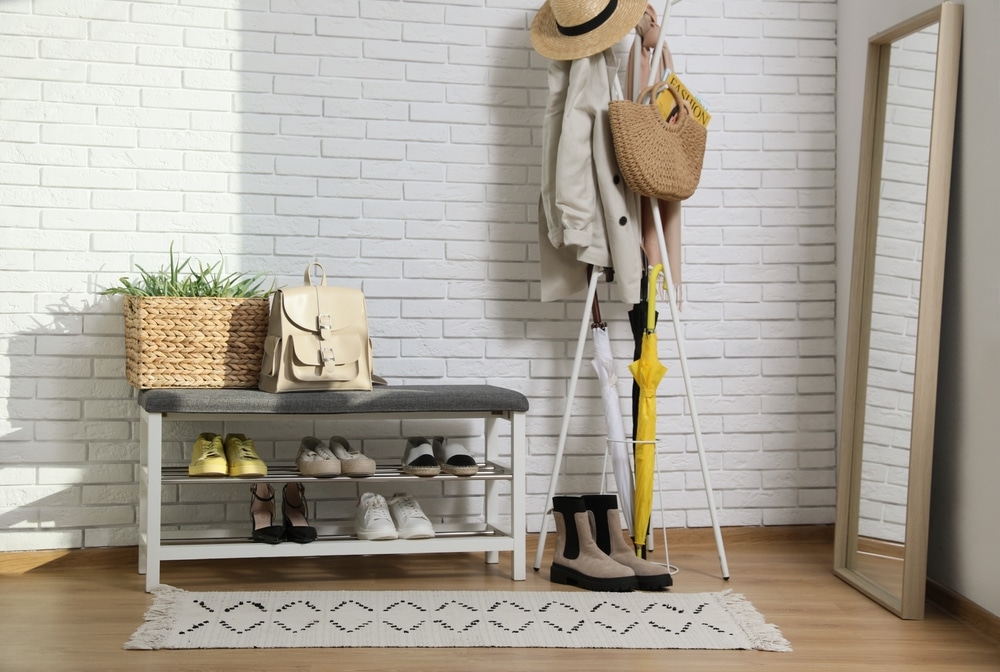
{"x": 665, "y": 102}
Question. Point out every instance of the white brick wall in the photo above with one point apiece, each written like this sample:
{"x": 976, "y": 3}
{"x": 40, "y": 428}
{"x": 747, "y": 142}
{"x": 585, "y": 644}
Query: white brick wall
{"x": 399, "y": 144}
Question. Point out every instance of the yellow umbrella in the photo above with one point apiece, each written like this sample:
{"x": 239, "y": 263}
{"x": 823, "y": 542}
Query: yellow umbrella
{"x": 648, "y": 371}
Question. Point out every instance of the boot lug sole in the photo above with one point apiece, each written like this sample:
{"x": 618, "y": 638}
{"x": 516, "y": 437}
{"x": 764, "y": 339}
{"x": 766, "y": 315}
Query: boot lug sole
{"x": 654, "y": 582}
{"x": 571, "y": 577}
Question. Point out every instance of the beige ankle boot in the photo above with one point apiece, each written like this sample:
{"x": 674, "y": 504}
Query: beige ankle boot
{"x": 577, "y": 560}
{"x": 606, "y": 518}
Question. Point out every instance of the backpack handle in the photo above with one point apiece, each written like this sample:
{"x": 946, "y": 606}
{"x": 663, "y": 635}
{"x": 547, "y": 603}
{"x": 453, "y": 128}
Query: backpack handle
{"x": 307, "y": 280}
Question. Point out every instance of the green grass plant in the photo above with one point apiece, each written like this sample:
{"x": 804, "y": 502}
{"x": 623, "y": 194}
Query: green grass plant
{"x": 184, "y": 278}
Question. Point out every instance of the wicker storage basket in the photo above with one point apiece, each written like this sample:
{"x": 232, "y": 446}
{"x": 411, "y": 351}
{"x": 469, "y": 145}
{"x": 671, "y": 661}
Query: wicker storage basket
{"x": 194, "y": 342}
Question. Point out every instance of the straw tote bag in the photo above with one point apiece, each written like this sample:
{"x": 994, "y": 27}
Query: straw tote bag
{"x": 657, "y": 159}
{"x": 317, "y": 339}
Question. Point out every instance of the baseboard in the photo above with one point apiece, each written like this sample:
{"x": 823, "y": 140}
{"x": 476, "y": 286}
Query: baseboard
{"x": 888, "y": 549}
{"x": 22, "y": 562}
{"x": 964, "y": 610}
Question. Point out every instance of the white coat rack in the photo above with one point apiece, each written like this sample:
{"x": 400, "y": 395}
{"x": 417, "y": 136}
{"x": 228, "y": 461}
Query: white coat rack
{"x": 682, "y": 356}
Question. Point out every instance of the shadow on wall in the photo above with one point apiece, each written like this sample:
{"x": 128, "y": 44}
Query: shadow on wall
{"x": 950, "y": 416}
{"x": 67, "y": 453}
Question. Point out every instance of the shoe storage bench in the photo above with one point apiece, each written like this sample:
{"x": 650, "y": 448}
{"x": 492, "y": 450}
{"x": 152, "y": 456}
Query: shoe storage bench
{"x": 486, "y": 402}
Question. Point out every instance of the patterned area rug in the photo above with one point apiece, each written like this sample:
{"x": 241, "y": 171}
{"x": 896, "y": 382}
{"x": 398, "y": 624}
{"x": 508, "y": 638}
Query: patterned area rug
{"x": 378, "y": 619}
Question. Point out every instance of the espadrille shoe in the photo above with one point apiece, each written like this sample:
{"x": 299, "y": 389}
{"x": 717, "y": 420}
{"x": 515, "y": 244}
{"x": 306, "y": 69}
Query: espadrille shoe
{"x": 352, "y": 462}
{"x": 453, "y": 458}
{"x": 316, "y": 459}
{"x": 418, "y": 458}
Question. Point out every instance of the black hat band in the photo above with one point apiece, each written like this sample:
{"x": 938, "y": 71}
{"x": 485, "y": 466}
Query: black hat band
{"x": 586, "y": 27}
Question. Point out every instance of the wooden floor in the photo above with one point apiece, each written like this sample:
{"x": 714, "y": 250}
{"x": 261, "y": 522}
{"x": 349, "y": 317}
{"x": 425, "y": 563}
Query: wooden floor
{"x": 76, "y": 612}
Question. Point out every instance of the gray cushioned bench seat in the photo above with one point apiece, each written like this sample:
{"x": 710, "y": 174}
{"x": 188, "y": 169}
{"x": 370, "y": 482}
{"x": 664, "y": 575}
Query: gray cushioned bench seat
{"x": 382, "y": 399}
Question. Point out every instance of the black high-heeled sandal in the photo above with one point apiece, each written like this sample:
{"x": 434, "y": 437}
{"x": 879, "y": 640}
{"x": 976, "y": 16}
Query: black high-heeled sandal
{"x": 262, "y": 516}
{"x": 297, "y": 527}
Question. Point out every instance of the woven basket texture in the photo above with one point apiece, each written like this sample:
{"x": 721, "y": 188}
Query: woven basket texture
{"x": 193, "y": 341}
{"x": 657, "y": 159}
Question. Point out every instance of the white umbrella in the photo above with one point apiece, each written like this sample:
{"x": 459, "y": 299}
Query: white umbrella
{"x": 604, "y": 364}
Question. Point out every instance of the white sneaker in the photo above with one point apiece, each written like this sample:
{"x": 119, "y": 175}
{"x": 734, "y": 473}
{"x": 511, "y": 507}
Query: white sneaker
{"x": 316, "y": 459}
{"x": 372, "y": 520}
{"x": 411, "y": 523}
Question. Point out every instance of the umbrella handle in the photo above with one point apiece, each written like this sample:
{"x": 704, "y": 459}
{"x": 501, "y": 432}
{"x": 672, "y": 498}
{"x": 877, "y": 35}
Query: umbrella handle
{"x": 651, "y": 298}
{"x": 595, "y": 307}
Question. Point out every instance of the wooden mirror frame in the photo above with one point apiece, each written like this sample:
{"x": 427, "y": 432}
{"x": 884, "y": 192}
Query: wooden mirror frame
{"x": 910, "y": 603}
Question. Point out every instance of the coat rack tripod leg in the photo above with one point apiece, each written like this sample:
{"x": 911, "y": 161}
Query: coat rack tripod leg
{"x": 567, "y": 414}
{"x": 682, "y": 356}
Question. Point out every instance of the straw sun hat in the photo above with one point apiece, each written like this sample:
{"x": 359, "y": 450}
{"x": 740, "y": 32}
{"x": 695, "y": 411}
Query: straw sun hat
{"x": 565, "y": 30}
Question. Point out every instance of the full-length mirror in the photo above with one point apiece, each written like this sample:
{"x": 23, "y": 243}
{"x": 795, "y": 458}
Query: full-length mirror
{"x": 884, "y": 477}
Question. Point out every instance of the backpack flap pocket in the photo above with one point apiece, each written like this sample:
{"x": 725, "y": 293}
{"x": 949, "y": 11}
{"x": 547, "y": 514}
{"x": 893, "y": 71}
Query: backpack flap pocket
{"x": 335, "y": 358}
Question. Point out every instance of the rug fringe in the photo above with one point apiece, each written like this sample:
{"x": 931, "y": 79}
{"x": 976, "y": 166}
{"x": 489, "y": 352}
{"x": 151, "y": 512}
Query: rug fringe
{"x": 765, "y": 636}
{"x": 150, "y": 635}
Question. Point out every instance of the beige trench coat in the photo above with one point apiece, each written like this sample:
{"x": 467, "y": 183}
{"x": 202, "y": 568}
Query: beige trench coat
{"x": 586, "y": 214}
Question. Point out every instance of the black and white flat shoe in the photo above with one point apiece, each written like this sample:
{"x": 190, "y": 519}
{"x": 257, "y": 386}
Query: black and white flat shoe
{"x": 418, "y": 459}
{"x": 454, "y": 459}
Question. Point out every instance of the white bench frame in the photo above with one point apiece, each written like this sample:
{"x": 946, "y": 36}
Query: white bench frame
{"x": 156, "y": 545}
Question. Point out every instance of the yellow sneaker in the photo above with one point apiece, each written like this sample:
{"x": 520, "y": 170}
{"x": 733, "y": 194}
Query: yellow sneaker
{"x": 244, "y": 462}
{"x": 207, "y": 458}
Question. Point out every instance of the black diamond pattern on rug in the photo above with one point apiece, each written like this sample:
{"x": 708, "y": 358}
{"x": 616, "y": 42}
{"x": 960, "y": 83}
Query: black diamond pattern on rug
{"x": 297, "y": 616}
{"x": 243, "y": 617}
{"x": 456, "y": 616}
{"x": 349, "y": 616}
{"x": 405, "y": 617}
